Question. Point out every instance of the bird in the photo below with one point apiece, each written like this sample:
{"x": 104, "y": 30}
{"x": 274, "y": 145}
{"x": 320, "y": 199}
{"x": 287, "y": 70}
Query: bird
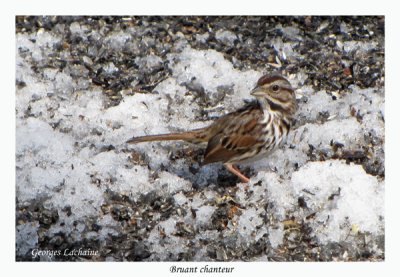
{"x": 248, "y": 134}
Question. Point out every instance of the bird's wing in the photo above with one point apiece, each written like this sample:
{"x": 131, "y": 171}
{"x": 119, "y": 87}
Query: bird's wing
{"x": 232, "y": 141}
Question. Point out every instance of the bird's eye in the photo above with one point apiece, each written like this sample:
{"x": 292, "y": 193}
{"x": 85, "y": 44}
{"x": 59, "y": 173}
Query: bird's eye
{"x": 275, "y": 88}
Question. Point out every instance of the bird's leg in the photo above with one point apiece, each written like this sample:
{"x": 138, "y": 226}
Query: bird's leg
{"x": 236, "y": 171}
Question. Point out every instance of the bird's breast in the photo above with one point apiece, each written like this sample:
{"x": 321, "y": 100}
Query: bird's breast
{"x": 275, "y": 131}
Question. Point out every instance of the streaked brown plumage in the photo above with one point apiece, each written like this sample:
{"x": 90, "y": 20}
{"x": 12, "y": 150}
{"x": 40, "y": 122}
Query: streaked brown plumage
{"x": 250, "y": 133}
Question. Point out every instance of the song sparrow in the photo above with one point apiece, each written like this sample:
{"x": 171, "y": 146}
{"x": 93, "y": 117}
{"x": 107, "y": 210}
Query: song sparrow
{"x": 250, "y": 133}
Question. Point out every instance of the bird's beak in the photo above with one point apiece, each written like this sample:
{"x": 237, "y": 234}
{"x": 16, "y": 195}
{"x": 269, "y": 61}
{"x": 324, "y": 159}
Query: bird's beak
{"x": 257, "y": 91}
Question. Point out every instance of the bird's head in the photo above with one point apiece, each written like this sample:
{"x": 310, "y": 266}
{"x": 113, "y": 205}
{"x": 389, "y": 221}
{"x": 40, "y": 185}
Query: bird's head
{"x": 274, "y": 92}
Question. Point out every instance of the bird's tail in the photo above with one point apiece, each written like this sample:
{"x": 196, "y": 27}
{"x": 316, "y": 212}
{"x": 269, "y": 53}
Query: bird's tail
{"x": 195, "y": 136}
